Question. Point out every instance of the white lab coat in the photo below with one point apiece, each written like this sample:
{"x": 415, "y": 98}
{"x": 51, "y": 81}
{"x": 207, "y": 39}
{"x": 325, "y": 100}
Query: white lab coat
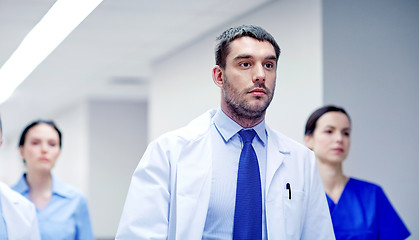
{"x": 170, "y": 189}
{"x": 19, "y": 214}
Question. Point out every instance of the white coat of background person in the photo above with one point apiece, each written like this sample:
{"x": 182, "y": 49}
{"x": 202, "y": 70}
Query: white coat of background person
{"x": 185, "y": 184}
{"x": 19, "y": 214}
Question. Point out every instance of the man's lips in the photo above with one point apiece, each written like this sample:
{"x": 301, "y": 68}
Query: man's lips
{"x": 258, "y": 92}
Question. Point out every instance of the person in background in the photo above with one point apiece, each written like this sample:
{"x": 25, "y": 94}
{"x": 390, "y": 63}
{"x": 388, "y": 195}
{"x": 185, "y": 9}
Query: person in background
{"x": 62, "y": 209}
{"x": 227, "y": 175}
{"x": 359, "y": 209}
{"x": 17, "y": 214}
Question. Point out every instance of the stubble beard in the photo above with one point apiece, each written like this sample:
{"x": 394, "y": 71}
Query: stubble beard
{"x": 240, "y": 107}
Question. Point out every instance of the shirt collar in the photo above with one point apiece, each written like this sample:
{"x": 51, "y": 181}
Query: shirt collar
{"x": 58, "y": 188}
{"x": 227, "y": 127}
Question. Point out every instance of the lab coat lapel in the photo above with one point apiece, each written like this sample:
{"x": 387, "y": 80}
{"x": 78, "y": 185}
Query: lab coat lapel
{"x": 275, "y": 157}
{"x": 193, "y": 187}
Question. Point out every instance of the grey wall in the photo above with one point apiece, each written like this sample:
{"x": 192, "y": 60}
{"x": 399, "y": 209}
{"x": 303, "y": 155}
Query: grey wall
{"x": 371, "y": 56}
{"x": 117, "y": 139}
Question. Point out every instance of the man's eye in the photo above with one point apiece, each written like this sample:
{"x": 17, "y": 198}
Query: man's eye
{"x": 269, "y": 65}
{"x": 245, "y": 64}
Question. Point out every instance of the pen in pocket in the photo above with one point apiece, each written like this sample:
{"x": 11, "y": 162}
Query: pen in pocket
{"x": 288, "y": 187}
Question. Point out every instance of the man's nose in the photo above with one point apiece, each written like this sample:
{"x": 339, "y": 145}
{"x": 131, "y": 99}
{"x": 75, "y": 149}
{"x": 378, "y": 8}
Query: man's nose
{"x": 259, "y": 74}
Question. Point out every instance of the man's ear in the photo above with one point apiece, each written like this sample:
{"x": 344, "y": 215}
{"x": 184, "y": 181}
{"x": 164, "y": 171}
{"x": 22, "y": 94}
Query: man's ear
{"x": 217, "y": 76}
{"x": 308, "y": 139}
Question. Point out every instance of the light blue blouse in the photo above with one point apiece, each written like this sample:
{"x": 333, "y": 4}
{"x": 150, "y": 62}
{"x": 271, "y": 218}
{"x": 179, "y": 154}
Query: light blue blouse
{"x": 66, "y": 216}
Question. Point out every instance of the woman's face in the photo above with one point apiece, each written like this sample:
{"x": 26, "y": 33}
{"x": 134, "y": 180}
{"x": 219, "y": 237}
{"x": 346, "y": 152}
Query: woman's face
{"x": 331, "y": 138}
{"x": 41, "y": 148}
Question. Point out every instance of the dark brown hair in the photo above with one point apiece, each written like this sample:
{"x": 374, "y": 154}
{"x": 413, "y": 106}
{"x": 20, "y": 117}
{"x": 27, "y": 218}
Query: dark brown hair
{"x": 224, "y": 40}
{"x": 33, "y": 124}
{"x": 314, "y": 117}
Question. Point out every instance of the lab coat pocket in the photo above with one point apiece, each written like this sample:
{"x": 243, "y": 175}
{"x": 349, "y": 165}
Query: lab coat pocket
{"x": 293, "y": 212}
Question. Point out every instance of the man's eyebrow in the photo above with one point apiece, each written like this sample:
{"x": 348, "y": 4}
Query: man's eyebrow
{"x": 247, "y": 56}
{"x": 272, "y": 57}
{"x": 242, "y": 56}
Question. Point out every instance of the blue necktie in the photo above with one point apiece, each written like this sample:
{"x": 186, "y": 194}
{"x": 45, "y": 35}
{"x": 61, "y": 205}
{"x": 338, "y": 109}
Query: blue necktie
{"x": 248, "y": 211}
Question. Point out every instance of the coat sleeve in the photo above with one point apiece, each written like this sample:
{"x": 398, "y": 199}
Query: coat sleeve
{"x": 318, "y": 223}
{"x": 146, "y": 211}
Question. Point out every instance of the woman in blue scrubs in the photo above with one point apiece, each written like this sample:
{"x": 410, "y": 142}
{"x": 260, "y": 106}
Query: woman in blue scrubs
{"x": 61, "y": 209}
{"x": 359, "y": 209}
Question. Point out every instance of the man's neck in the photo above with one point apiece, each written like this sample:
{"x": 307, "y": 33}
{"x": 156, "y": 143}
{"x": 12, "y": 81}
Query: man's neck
{"x": 243, "y": 121}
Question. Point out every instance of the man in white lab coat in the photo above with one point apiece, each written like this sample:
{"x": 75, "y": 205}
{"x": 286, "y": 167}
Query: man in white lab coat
{"x": 185, "y": 184}
{"x": 18, "y": 220}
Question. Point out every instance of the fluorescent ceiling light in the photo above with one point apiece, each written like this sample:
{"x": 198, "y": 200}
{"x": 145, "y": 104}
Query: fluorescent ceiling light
{"x": 63, "y": 17}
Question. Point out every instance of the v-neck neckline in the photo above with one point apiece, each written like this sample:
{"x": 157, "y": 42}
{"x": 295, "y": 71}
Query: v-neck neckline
{"x": 335, "y": 205}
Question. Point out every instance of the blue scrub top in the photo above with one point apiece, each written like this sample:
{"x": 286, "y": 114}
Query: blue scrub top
{"x": 364, "y": 212}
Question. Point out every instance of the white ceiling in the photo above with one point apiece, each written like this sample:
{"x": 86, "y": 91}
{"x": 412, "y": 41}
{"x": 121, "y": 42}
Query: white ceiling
{"x": 109, "y": 54}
